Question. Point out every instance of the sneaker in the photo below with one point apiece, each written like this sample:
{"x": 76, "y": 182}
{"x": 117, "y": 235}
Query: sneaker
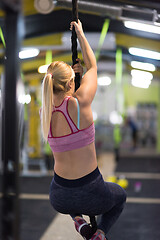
{"x": 98, "y": 236}
{"x": 83, "y": 228}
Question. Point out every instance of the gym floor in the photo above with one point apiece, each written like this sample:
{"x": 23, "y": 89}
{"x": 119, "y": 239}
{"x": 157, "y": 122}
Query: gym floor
{"x": 140, "y": 219}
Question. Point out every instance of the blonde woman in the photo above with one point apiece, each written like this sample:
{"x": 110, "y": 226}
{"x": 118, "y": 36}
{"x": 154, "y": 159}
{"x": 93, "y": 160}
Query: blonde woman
{"x": 77, "y": 187}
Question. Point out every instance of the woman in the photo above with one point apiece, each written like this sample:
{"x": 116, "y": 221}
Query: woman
{"x": 77, "y": 187}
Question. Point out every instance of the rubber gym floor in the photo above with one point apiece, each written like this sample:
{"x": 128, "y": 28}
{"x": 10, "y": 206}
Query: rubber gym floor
{"x": 140, "y": 219}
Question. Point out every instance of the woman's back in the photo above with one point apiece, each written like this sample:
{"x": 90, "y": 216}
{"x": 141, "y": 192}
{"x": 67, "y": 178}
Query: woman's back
{"x": 70, "y": 164}
{"x": 74, "y": 151}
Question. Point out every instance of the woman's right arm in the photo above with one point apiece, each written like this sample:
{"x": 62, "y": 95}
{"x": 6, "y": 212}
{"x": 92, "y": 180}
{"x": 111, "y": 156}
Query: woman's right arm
{"x": 88, "y": 87}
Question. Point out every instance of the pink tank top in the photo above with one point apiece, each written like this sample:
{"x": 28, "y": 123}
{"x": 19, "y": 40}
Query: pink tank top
{"x": 76, "y": 139}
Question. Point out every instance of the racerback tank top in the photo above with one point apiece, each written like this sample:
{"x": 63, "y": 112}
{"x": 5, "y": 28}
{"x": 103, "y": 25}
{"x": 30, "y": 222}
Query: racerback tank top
{"x": 77, "y": 138}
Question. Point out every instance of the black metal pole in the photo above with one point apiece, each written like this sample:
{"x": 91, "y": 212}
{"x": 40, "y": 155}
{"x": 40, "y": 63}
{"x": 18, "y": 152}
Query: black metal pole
{"x": 74, "y": 41}
{"x": 10, "y": 119}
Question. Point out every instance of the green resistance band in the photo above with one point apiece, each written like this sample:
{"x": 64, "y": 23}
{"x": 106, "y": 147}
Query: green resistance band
{"x": 119, "y": 69}
{"x": 48, "y": 57}
{"x": 117, "y": 135}
{"x": 118, "y": 66}
{"x": 102, "y": 37}
{"x": 2, "y": 37}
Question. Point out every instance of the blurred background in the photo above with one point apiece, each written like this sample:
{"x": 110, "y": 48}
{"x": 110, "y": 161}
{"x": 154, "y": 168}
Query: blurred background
{"x": 125, "y": 37}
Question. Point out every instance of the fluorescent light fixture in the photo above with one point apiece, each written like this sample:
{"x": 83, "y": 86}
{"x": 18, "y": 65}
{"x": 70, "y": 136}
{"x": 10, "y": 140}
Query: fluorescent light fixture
{"x": 43, "y": 69}
{"x": 142, "y": 75}
{"x": 141, "y": 79}
{"x": 143, "y": 66}
{"x": 104, "y": 81}
{"x": 141, "y": 83}
{"x": 142, "y": 27}
{"x": 28, "y": 53}
{"x": 144, "y": 53}
{"x": 115, "y": 118}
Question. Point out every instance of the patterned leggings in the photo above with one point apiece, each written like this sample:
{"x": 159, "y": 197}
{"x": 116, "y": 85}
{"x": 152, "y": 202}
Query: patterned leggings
{"x": 89, "y": 195}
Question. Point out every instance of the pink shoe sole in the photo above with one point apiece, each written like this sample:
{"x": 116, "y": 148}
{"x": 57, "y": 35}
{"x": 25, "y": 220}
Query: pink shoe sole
{"x": 98, "y": 236}
{"x": 83, "y": 228}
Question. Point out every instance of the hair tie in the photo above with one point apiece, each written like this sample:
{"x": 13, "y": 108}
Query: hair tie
{"x": 50, "y": 74}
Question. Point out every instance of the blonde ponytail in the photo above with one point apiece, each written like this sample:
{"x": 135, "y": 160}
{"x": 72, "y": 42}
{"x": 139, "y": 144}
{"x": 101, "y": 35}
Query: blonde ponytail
{"x": 47, "y": 104}
{"x": 56, "y": 81}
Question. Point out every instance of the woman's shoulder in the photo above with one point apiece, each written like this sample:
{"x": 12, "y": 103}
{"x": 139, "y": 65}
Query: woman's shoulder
{"x": 76, "y": 100}
{"x": 72, "y": 102}
{"x": 81, "y": 100}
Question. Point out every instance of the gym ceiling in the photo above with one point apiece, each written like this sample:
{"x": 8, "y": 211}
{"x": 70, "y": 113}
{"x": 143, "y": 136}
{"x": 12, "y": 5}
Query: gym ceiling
{"x": 47, "y": 31}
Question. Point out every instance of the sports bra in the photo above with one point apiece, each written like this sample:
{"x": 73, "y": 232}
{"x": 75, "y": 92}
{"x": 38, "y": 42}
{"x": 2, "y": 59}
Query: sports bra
{"x": 77, "y": 138}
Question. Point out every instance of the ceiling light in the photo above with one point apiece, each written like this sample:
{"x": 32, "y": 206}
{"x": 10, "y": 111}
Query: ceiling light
{"x": 43, "y": 69}
{"x": 143, "y": 66}
{"x": 142, "y": 27}
{"x": 141, "y": 75}
{"x": 141, "y": 79}
{"x": 28, "y": 98}
{"x": 141, "y": 83}
{"x": 115, "y": 118}
{"x": 104, "y": 81}
{"x": 24, "y": 99}
{"x": 94, "y": 116}
{"x": 28, "y": 53}
{"x": 44, "y": 6}
{"x": 144, "y": 53}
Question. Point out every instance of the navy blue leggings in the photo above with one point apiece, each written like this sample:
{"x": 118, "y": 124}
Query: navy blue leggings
{"x": 89, "y": 195}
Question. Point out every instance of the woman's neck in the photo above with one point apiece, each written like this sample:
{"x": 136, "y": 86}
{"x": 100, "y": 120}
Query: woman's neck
{"x": 58, "y": 98}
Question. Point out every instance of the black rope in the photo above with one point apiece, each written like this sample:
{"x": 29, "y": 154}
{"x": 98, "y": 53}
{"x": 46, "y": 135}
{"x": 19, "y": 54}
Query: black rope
{"x": 74, "y": 41}
{"x": 77, "y": 77}
{"x": 93, "y": 224}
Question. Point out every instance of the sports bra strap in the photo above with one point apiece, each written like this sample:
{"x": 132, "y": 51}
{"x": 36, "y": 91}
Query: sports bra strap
{"x": 78, "y": 114}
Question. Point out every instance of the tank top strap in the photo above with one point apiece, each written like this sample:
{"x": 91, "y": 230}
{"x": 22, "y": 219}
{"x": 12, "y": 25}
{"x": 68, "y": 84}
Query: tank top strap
{"x": 63, "y": 108}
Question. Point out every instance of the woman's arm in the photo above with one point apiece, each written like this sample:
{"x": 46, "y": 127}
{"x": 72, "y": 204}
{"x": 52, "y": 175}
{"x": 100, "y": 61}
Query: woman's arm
{"x": 88, "y": 87}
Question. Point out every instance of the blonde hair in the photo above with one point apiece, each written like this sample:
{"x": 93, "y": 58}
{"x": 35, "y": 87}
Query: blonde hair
{"x": 55, "y": 81}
